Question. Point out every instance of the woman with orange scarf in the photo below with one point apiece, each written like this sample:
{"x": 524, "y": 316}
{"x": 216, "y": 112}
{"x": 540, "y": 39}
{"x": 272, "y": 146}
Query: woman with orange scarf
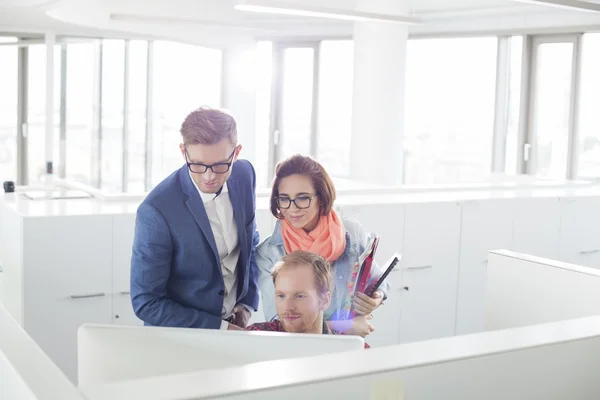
{"x": 302, "y": 201}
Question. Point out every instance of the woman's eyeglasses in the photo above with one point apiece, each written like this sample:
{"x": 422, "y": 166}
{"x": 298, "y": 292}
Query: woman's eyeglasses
{"x": 301, "y": 202}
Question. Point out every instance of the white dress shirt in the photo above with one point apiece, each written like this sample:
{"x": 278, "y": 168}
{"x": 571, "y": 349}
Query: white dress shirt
{"x": 220, "y": 215}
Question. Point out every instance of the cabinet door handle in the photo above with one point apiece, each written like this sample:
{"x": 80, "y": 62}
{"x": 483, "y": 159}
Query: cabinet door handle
{"x": 421, "y": 267}
{"x": 589, "y": 252}
{"x": 87, "y": 296}
{"x": 125, "y": 292}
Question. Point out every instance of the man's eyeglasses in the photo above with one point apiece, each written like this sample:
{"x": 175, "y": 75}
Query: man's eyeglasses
{"x": 218, "y": 168}
{"x": 301, "y": 202}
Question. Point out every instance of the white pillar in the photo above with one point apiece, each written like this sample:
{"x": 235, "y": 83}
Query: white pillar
{"x": 379, "y": 90}
{"x": 239, "y": 93}
{"x": 50, "y": 40}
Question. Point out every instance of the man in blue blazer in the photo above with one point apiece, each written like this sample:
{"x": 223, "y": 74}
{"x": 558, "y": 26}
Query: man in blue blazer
{"x": 193, "y": 262}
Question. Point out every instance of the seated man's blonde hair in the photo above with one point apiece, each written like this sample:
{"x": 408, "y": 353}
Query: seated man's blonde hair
{"x": 320, "y": 266}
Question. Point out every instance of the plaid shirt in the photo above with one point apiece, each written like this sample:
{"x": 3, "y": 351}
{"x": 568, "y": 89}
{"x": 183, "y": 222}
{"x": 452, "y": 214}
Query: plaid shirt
{"x": 277, "y": 326}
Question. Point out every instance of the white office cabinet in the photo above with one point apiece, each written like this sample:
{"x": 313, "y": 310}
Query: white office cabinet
{"x": 430, "y": 270}
{"x": 1, "y": 284}
{"x": 11, "y": 258}
{"x": 122, "y": 236}
{"x": 387, "y": 220}
{"x": 65, "y": 286}
{"x": 386, "y": 319}
{"x": 486, "y": 225}
{"x": 536, "y": 228}
{"x": 265, "y": 222}
{"x": 580, "y": 231}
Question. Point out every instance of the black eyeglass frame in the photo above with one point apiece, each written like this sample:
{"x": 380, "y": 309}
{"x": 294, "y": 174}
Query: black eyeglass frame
{"x": 310, "y": 199}
{"x": 210, "y": 166}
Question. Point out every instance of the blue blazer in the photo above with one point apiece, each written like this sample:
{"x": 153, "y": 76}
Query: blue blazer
{"x": 176, "y": 277}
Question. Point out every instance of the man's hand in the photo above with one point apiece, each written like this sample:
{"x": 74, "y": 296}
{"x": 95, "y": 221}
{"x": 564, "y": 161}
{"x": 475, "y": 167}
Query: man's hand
{"x": 232, "y": 327}
{"x": 364, "y": 305}
{"x": 241, "y": 316}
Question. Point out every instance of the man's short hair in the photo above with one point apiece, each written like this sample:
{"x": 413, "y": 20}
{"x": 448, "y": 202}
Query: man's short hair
{"x": 320, "y": 266}
{"x": 208, "y": 126}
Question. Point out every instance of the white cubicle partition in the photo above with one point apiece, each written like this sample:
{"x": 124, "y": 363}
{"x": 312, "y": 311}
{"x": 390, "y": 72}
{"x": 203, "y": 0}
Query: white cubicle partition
{"x": 26, "y": 372}
{"x": 550, "y": 361}
{"x": 525, "y": 290}
{"x": 112, "y": 353}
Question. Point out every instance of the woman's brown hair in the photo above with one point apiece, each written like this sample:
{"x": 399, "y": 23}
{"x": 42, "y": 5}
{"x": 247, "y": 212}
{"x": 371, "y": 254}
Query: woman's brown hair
{"x": 303, "y": 165}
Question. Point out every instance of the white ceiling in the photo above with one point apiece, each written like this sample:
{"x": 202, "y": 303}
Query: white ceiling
{"x": 217, "y": 23}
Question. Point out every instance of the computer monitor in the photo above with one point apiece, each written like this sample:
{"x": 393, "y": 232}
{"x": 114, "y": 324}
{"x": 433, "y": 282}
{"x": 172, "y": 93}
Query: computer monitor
{"x": 109, "y": 353}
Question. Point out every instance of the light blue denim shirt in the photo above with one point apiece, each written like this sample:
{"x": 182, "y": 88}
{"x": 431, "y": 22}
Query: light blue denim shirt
{"x": 271, "y": 250}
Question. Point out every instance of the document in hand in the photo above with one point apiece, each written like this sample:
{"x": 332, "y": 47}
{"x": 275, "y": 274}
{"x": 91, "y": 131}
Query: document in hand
{"x": 361, "y": 273}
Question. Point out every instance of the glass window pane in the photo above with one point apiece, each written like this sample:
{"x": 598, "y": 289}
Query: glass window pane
{"x": 335, "y": 106}
{"x": 8, "y": 112}
{"x": 138, "y": 73}
{"x": 296, "y": 101}
{"x": 185, "y": 78}
{"x": 36, "y": 111}
{"x": 514, "y": 104}
{"x": 589, "y": 107}
{"x": 450, "y": 105}
{"x": 81, "y": 80}
{"x": 113, "y": 94}
{"x": 552, "y": 100}
{"x": 263, "y": 111}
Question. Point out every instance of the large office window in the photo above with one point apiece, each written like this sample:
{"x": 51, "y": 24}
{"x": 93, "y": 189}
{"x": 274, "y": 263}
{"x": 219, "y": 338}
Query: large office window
{"x": 36, "y": 111}
{"x": 111, "y": 111}
{"x": 8, "y": 112}
{"x": 263, "y": 111}
{"x": 185, "y": 78}
{"x": 550, "y": 106}
{"x": 136, "y": 108}
{"x": 288, "y": 91}
{"x": 450, "y": 102}
{"x": 335, "y": 106}
{"x": 514, "y": 104}
{"x": 589, "y": 109}
{"x": 82, "y": 109}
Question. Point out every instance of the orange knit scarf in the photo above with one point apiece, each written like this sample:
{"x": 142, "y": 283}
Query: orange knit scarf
{"x": 328, "y": 239}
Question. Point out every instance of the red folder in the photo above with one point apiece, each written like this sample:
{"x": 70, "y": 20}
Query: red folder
{"x": 365, "y": 262}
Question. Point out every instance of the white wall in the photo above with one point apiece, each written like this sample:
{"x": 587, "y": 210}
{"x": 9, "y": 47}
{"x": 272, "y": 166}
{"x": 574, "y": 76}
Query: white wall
{"x": 26, "y": 372}
{"x": 524, "y": 290}
{"x": 112, "y": 353}
{"x": 239, "y": 93}
{"x": 551, "y": 361}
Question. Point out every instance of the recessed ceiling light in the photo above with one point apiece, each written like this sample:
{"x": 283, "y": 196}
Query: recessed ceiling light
{"x": 272, "y": 7}
{"x": 8, "y": 39}
{"x": 577, "y": 5}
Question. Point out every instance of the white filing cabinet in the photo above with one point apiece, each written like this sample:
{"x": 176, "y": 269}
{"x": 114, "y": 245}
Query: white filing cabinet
{"x": 537, "y": 227}
{"x": 65, "y": 286}
{"x": 486, "y": 225}
{"x": 387, "y": 220}
{"x": 580, "y": 233}
{"x": 11, "y": 259}
{"x": 265, "y": 222}
{"x": 122, "y": 235}
{"x": 430, "y": 270}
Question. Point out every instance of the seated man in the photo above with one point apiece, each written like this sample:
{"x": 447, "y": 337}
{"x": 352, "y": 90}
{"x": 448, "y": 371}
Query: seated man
{"x": 303, "y": 284}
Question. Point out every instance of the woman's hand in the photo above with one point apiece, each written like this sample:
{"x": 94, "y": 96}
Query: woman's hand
{"x": 365, "y": 305}
{"x": 361, "y": 326}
